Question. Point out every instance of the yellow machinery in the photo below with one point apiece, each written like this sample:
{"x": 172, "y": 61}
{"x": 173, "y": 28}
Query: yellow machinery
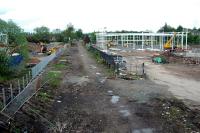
{"x": 168, "y": 44}
{"x": 51, "y": 50}
{"x": 110, "y": 44}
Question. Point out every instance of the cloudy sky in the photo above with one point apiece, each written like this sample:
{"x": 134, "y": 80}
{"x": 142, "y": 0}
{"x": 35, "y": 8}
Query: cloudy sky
{"x": 94, "y": 15}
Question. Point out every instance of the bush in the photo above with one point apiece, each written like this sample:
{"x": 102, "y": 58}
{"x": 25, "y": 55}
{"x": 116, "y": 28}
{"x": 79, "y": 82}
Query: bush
{"x": 4, "y": 65}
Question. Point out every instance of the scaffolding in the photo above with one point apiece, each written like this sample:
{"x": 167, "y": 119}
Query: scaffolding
{"x": 3, "y": 38}
{"x": 141, "y": 41}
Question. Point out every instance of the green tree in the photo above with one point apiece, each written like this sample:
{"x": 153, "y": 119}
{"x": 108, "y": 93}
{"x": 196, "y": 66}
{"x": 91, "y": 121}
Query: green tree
{"x": 166, "y": 28}
{"x": 69, "y": 33}
{"x": 92, "y": 37}
{"x": 16, "y": 37}
{"x": 42, "y": 34}
{"x": 179, "y": 29}
{"x": 17, "y": 43}
{"x": 56, "y": 35}
{"x": 79, "y": 34}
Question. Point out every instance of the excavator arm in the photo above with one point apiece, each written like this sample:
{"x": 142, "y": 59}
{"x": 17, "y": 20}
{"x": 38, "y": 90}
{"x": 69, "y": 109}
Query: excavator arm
{"x": 168, "y": 44}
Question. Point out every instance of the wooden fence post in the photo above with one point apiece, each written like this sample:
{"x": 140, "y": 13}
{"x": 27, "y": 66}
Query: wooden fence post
{"x": 11, "y": 91}
{"x": 4, "y": 97}
{"x": 26, "y": 79}
{"x": 23, "y": 82}
{"x": 30, "y": 75}
{"x": 19, "y": 89}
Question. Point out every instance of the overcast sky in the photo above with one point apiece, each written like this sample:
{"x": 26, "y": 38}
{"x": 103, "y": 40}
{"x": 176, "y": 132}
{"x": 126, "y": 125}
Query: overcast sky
{"x": 94, "y": 15}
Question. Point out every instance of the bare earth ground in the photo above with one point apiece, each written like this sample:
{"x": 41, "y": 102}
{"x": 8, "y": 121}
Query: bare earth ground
{"x": 94, "y": 97}
{"x": 182, "y": 81}
{"x": 88, "y": 102}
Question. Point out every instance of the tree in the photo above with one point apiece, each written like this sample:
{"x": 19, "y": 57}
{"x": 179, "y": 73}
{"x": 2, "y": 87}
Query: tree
{"x": 79, "y": 34}
{"x": 166, "y": 28}
{"x": 16, "y": 38}
{"x": 17, "y": 43}
{"x": 42, "y": 34}
{"x": 86, "y": 39}
{"x": 179, "y": 29}
{"x": 92, "y": 37}
{"x": 56, "y": 35}
{"x": 69, "y": 33}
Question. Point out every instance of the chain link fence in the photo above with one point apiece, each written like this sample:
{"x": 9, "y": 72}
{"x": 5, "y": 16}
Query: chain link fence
{"x": 17, "y": 93}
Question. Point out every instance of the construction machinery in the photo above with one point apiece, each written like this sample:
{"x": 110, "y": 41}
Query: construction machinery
{"x": 168, "y": 44}
{"x": 51, "y": 50}
{"x": 110, "y": 44}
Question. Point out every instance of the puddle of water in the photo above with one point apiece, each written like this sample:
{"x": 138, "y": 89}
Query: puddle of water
{"x": 115, "y": 99}
{"x": 103, "y": 80}
{"x": 62, "y": 60}
{"x": 93, "y": 67}
{"x": 110, "y": 91}
{"x": 59, "y": 101}
{"x": 125, "y": 112}
{"x": 78, "y": 80}
{"x": 56, "y": 71}
{"x": 122, "y": 106}
{"x": 98, "y": 73}
{"x": 144, "y": 130}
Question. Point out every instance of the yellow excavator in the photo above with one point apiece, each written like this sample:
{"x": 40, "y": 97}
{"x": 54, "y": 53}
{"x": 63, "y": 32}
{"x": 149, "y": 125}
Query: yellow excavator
{"x": 168, "y": 44}
{"x": 51, "y": 50}
{"x": 110, "y": 44}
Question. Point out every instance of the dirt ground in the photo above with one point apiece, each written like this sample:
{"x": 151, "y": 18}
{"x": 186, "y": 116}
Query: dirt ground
{"x": 186, "y": 71}
{"x": 87, "y": 101}
{"x": 182, "y": 80}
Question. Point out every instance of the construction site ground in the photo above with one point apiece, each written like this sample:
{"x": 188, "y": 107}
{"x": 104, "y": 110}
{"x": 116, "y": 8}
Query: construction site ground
{"x": 182, "y": 80}
{"x": 88, "y": 100}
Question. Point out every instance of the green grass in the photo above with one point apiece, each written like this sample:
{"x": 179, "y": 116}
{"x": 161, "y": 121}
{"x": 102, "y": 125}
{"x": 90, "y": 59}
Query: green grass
{"x": 37, "y": 110}
{"x": 3, "y": 79}
{"x": 59, "y": 66}
{"x": 54, "y": 78}
{"x": 44, "y": 97}
{"x": 96, "y": 55}
{"x": 110, "y": 72}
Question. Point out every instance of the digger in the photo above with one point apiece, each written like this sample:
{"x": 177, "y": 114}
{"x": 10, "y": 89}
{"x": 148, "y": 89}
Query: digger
{"x": 51, "y": 50}
{"x": 168, "y": 45}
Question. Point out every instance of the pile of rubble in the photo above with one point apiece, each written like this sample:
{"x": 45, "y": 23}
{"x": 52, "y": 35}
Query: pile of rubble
{"x": 173, "y": 58}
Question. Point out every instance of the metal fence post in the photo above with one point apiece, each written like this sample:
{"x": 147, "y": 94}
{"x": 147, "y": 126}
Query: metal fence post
{"x": 4, "y": 97}
{"x": 19, "y": 89}
{"x": 142, "y": 68}
{"x": 11, "y": 91}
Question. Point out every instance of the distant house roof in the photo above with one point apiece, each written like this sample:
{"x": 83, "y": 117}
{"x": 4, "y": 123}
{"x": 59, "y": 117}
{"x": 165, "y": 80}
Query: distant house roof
{"x": 195, "y": 32}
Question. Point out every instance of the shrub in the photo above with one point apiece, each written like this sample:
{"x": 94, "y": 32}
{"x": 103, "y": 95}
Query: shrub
{"x": 4, "y": 64}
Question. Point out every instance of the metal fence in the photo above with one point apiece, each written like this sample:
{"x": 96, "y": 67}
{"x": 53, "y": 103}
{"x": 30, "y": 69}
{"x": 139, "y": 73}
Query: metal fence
{"x": 40, "y": 66}
{"x": 119, "y": 63}
{"x": 110, "y": 59}
{"x": 23, "y": 87}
